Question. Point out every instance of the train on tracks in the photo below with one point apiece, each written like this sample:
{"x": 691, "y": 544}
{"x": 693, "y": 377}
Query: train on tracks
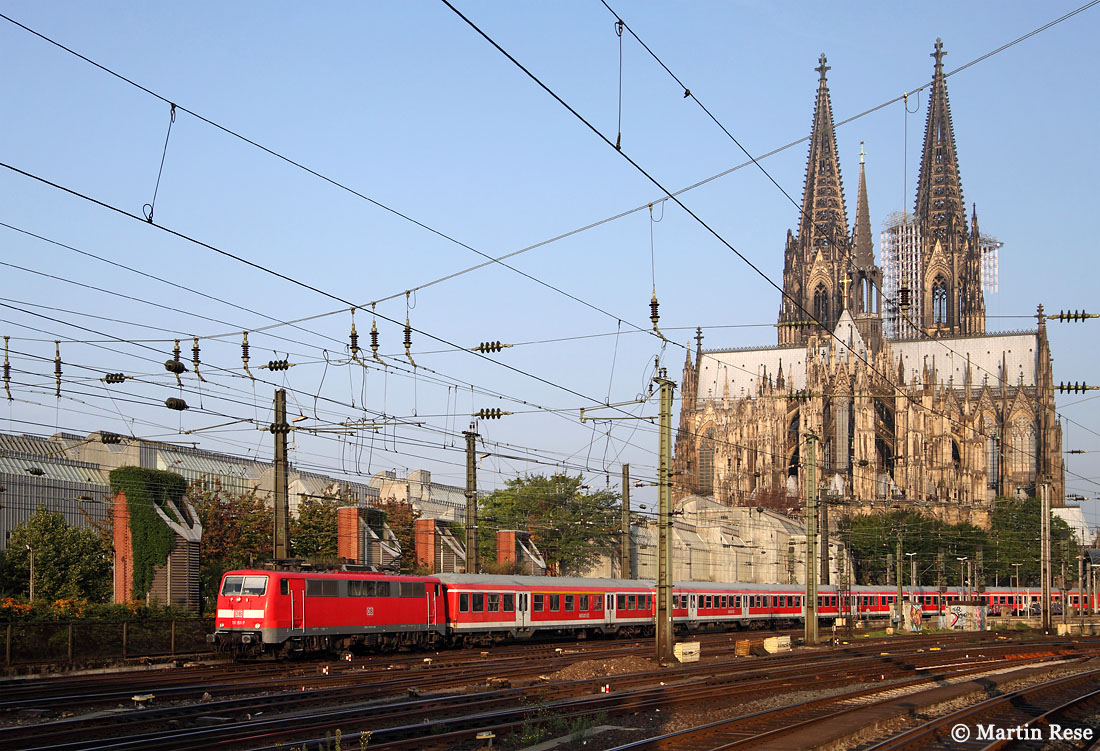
{"x": 273, "y": 612}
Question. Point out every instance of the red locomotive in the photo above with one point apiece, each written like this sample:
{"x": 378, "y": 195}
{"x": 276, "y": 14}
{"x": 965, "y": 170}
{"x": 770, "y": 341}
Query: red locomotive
{"x": 281, "y": 612}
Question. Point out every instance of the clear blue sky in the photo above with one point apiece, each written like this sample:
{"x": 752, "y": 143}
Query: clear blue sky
{"x": 405, "y": 104}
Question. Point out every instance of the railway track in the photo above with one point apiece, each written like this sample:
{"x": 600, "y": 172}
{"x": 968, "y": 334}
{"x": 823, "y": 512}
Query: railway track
{"x": 271, "y": 720}
{"x": 70, "y": 692}
{"x": 49, "y": 695}
{"x": 1021, "y": 719}
{"x": 57, "y": 693}
{"x": 774, "y": 728}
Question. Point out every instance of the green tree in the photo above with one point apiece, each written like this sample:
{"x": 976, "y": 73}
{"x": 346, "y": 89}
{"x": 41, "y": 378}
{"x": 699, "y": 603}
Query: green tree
{"x": 572, "y": 527}
{"x": 313, "y": 532}
{"x": 69, "y": 562}
{"x": 236, "y": 533}
{"x": 1015, "y": 539}
{"x": 871, "y": 538}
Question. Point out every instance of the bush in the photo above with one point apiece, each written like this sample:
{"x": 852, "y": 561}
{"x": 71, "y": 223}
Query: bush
{"x": 14, "y": 610}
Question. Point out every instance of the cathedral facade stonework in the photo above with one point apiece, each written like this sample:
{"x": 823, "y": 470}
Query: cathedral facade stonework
{"x": 943, "y": 419}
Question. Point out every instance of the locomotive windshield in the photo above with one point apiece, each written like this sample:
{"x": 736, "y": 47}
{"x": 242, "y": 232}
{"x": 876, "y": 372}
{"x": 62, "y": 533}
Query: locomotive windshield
{"x": 245, "y": 585}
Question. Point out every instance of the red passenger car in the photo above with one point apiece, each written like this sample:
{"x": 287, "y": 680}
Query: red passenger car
{"x": 483, "y": 609}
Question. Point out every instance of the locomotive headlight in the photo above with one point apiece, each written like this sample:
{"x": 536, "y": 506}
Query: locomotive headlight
{"x": 255, "y": 625}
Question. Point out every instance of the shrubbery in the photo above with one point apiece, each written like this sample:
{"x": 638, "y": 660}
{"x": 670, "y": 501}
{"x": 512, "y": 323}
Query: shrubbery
{"x": 19, "y": 610}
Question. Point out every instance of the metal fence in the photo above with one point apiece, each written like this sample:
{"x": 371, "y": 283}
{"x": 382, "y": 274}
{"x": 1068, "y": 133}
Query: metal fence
{"x": 87, "y": 641}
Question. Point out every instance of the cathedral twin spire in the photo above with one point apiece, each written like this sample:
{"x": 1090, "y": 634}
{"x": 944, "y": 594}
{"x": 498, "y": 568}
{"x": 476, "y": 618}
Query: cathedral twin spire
{"x": 939, "y": 188}
{"x": 953, "y": 301}
{"x": 816, "y": 276}
{"x": 825, "y": 215}
{"x": 827, "y": 272}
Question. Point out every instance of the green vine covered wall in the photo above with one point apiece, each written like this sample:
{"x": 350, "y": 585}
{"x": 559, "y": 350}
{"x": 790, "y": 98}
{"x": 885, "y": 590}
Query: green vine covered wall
{"x": 151, "y": 539}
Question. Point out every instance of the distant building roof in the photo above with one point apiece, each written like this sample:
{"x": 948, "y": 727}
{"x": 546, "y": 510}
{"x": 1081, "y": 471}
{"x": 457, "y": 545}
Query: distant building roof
{"x": 51, "y": 467}
{"x": 742, "y": 370}
{"x": 1074, "y": 516}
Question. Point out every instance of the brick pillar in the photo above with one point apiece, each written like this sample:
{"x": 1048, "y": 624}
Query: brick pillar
{"x": 348, "y": 539}
{"x": 424, "y": 540}
{"x": 506, "y": 547}
{"x": 124, "y": 553}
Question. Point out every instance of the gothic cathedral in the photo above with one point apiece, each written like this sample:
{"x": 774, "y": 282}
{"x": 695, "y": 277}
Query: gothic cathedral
{"x": 897, "y": 397}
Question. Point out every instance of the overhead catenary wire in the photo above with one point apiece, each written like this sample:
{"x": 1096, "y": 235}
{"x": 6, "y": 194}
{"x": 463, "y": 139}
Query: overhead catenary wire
{"x": 379, "y": 414}
{"x": 490, "y": 260}
{"x": 51, "y": 336}
{"x": 732, "y": 445}
{"x": 149, "y": 207}
{"x": 279, "y": 275}
{"x": 162, "y": 280}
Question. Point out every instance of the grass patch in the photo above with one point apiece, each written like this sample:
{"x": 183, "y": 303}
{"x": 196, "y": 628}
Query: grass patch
{"x": 543, "y": 723}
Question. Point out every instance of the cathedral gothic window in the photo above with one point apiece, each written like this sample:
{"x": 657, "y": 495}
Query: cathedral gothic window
{"x": 939, "y": 301}
{"x": 821, "y": 304}
{"x": 706, "y": 463}
{"x": 992, "y": 453}
{"x": 1023, "y": 449}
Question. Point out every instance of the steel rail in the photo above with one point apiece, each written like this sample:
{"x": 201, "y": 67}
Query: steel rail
{"x": 923, "y": 736}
